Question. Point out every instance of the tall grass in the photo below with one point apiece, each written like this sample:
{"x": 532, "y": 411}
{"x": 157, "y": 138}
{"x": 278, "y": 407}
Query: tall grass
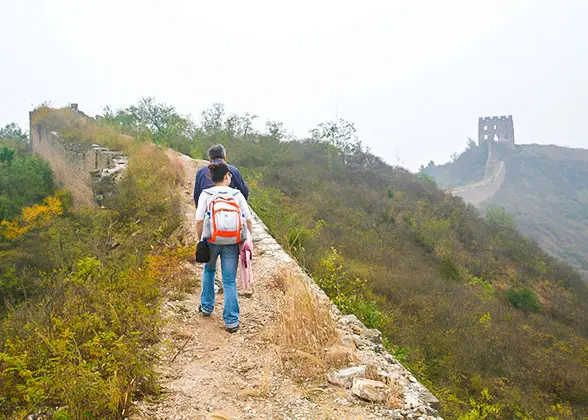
{"x": 305, "y": 328}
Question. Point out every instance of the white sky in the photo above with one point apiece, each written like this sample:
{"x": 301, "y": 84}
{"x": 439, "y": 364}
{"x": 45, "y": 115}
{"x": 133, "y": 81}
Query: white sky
{"x": 413, "y": 75}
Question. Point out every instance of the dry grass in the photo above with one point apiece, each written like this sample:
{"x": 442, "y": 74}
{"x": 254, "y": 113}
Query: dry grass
{"x": 262, "y": 390}
{"x": 371, "y": 372}
{"x": 395, "y": 397}
{"x": 220, "y": 416}
{"x": 281, "y": 280}
{"x": 305, "y": 329}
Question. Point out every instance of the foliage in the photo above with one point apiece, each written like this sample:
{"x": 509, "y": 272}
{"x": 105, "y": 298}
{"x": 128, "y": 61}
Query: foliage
{"x": 6, "y": 155}
{"x": 483, "y": 408}
{"x": 348, "y": 294}
{"x": 524, "y": 299}
{"x": 33, "y": 217}
{"x": 24, "y": 180}
{"x": 162, "y": 122}
{"x": 13, "y": 132}
{"x": 466, "y": 167}
{"x": 81, "y": 292}
{"x": 426, "y": 177}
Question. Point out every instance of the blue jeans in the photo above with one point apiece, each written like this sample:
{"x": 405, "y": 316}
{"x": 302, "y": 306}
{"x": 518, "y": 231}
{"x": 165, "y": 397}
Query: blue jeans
{"x": 229, "y": 255}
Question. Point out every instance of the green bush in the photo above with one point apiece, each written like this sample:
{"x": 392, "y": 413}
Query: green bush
{"x": 523, "y": 299}
{"x": 24, "y": 180}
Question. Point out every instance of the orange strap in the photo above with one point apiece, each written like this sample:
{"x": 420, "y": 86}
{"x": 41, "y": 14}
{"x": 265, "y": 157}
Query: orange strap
{"x": 225, "y": 233}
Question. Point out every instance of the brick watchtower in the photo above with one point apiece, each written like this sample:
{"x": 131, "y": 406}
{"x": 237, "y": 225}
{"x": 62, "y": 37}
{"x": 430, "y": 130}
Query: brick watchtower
{"x": 499, "y": 129}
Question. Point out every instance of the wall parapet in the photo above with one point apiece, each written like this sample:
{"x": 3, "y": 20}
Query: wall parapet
{"x": 89, "y": 172}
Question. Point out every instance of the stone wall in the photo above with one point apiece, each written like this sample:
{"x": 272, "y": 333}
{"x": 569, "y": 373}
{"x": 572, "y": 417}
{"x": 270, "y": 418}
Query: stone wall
{"x": 89, "y": 172}
{"x": 494, "y": 176}
{"x": 484, "y": 190}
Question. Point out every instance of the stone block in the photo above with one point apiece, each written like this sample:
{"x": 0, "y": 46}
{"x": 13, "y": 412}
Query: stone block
{"x": 345, "y": 377}
{"x": 369, "y": 390}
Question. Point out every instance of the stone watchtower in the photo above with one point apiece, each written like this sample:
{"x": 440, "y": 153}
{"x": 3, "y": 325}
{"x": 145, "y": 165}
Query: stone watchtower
{"x": 499, "y": 129}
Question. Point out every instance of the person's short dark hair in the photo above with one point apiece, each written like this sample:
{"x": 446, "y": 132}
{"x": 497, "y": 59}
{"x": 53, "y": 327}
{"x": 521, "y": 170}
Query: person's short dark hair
{"x": 217, "y": 152}
{"x": 218, "y": 171}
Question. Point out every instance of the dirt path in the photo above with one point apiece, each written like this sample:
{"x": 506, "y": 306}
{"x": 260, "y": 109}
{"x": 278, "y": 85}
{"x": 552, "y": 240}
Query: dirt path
{"x": 207, "y": 373}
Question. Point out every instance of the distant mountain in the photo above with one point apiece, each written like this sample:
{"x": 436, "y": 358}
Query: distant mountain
{"x": 545, "y": 189}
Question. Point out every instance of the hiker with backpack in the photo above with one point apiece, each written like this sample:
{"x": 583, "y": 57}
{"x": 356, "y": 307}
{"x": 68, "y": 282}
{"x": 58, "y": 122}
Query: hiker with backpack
{"x": 223, "y": 221}
{"x": 218, "y": 154}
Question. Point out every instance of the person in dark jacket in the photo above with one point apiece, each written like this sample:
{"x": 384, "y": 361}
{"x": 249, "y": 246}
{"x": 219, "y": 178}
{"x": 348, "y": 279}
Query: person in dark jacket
{"x": 216, "y": 154}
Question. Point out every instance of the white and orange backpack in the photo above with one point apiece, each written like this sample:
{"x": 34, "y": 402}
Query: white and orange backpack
{"x": 224, "y": 221}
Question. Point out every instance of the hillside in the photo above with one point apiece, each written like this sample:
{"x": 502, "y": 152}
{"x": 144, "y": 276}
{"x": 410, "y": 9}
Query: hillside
{"x": 545, "y": 190}
{"x": 110, "y": 296}
{"x": 491, "y": 324}
{"x": 479, "y": 314}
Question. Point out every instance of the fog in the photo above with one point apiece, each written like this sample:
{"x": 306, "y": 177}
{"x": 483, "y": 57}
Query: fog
{"x": 414, "y": 76}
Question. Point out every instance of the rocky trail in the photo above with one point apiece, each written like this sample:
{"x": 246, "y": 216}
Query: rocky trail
{"x": 208, "y": 373}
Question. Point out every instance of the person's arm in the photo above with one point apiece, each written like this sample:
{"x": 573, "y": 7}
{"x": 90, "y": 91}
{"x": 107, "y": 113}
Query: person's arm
{"x": 239, "y": 183}
{"x": 197, "y": 187}
{"x": 199, "y": 226}
{"x": 250, "y": 225}
{"x": 200, "y": 212}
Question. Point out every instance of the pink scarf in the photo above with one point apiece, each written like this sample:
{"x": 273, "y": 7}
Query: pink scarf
{"x": 246, "y": 271}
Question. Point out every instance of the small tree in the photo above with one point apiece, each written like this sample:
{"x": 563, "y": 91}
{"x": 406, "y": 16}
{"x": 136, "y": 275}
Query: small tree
{"x": 341, "y": 134}
{"x": 523, "y": 299}
{"x": 165, "y": 124}
{"x": 13, "y": 132}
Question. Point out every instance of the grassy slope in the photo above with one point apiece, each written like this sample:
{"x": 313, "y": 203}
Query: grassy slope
{"x": 545, "y": 190}
{"x": 428, "y": 271}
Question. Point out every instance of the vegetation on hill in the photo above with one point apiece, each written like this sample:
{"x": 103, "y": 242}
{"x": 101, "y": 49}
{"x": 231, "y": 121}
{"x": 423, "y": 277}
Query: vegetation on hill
{"x": 80, "y": 289}
{"x": 24, "y": 180}
{"x": 492, "y": 324}
{"x": 545, "y": 190}
{"x": 468, "y": 167}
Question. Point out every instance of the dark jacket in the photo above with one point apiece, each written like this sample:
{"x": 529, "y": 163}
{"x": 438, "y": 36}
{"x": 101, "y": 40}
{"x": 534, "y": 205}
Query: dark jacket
{"x": 203, "y": 181}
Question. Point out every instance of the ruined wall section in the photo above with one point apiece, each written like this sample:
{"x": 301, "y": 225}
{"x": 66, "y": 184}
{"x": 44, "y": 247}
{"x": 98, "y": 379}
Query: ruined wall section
{"x": 89, "y": 172}
{"x": 484, "y": 190}
{"x": 491, "y": 131}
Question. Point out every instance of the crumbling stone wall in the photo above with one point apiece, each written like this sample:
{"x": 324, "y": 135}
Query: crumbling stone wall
{"x": 89, "y": 172}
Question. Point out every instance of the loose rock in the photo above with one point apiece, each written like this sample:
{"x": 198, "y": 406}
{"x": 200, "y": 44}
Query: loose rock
{"x": 367, "y": 389}
{"x": 344, "y": 377}
{"x": 373, "y": 335}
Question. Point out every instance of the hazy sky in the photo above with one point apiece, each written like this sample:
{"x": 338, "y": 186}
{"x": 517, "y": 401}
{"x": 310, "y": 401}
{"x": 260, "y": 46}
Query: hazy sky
{"x": 413, "y": 75}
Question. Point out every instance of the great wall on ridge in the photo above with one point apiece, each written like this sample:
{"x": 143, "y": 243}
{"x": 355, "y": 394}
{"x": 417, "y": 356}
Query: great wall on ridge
{"x": 491, "y": 130}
